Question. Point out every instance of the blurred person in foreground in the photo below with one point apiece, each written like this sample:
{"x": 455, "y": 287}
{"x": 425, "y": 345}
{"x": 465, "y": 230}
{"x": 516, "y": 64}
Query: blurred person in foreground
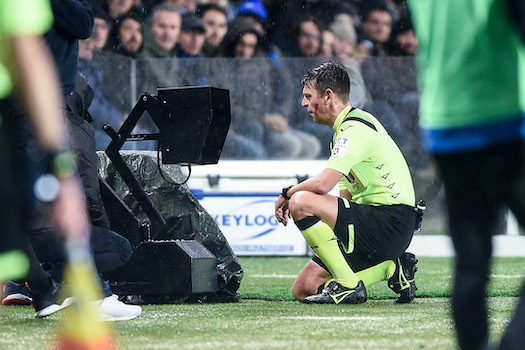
{"x": 27, "y": 74}
{"x": 359, "y": 238}
{"x": 471, "y": 63}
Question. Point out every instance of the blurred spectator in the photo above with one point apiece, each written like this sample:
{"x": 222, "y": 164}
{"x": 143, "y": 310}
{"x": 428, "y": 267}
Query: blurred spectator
{"x": 101, "y": 28}
{"x": 246, "y": 134}
{"x": 183, "y": 6}
{"x": 327, "y": 48}
{"x": 162, "y": 32}
{"x": 376, "y": 28}
{"x": 127, "y": 35}
{"x": 101, "y": 110}
{"x": 246, "y": 45}
{"x": 255, "y": 13}
{"x": 284, "y": 14}
{"x": 280, "y": 77}
{"x": 266, "y": 119}
{"x": 396, "y": 7}
{"x": 191, "y": 6}
{"x": 393, "y": 97}
{"x": 191, "y": 37}
{"x": 253, "y": 7}
{"x": 309, "y": 38}
{"x": 345, "y": 51}
{"x": 116, "y": 8}
{"x": 305, "y": 38}
{"x": 225, "y": 4}
{"x": 191, "y": 41}
{"x": 345, "y": 40}
{"x": 215, "y": 22}
{"x": 404, "y": 41}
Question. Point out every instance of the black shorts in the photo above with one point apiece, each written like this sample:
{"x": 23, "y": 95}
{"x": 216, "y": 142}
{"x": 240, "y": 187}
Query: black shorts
{"x": 379, "y": 232}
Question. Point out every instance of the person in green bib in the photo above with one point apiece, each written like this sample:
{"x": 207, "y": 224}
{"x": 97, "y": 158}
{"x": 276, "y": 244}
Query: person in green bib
{"x": 471, "y": 64}
{"x": 28, "y": 75}
{"x": 359, "y": 238}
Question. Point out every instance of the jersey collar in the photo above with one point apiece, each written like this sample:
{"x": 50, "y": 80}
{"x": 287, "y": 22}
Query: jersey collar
{"x": 341, "y": 117}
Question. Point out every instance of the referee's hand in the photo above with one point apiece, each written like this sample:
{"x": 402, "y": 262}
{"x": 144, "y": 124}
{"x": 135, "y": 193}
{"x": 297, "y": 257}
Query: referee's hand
{"x": 282, "y": 212}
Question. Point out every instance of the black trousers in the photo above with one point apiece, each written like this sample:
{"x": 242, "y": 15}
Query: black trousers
{"x": 21, "y": 163}
{"x": 10, "y": 190}
{"x": 82, "y": 145}
{"x": 478, "y": 185}
{"x": 110, "y": 250}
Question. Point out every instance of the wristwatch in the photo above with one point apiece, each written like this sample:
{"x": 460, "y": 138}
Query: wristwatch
{"x": 60, "y": 163}
{"x": 47, "y": 188}
{"x": 284, "y": 192}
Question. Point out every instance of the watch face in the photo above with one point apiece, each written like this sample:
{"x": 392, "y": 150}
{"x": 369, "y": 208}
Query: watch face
{"x": 46, "y": 188}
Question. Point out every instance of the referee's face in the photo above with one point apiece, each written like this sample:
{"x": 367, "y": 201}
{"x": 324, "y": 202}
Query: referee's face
{"x": 313, "y": 102}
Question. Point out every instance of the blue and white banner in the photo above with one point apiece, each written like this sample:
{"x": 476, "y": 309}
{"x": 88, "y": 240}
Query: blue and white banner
{"x": 247, "y": 221}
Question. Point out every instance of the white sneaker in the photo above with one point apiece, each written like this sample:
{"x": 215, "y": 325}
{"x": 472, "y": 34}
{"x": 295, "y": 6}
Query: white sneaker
{"x": 111, "y": 309}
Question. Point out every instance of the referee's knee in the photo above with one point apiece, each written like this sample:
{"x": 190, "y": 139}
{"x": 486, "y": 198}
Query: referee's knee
{"x": 299, "y": 204}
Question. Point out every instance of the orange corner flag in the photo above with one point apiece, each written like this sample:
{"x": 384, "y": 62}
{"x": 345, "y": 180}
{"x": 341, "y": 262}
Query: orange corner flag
{"x": 81, "y": 328}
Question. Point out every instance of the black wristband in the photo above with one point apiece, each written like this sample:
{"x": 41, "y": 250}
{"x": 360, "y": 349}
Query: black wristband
{"x": 284, "y": 192}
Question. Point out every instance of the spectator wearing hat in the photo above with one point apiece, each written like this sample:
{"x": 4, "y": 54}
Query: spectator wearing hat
{"x": 345, "y": 42}
{"x": 192, "y": 36}
{"x": 215, "y": 22}
{"x": 191, "y": 41}
{"x": 255, "y": 12}
{"x": 253, "y": 7}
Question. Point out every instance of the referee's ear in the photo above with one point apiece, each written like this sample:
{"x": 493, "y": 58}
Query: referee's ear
{"x": 329, "y": 95}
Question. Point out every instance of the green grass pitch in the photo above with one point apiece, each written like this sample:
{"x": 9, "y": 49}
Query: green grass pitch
{"x": 269, "y": 318}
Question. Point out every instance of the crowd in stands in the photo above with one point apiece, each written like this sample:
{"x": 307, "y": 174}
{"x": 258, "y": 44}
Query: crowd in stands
{"x": 259, "y": 35}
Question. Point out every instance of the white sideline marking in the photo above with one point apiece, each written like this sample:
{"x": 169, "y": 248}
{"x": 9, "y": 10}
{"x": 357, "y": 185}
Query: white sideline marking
{"x": 336, "y": 318}
{"x": 274, "y": 276}
{"x": 507, "y": 276}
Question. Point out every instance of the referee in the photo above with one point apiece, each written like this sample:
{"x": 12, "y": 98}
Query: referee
{"x": 360, "y": 237}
